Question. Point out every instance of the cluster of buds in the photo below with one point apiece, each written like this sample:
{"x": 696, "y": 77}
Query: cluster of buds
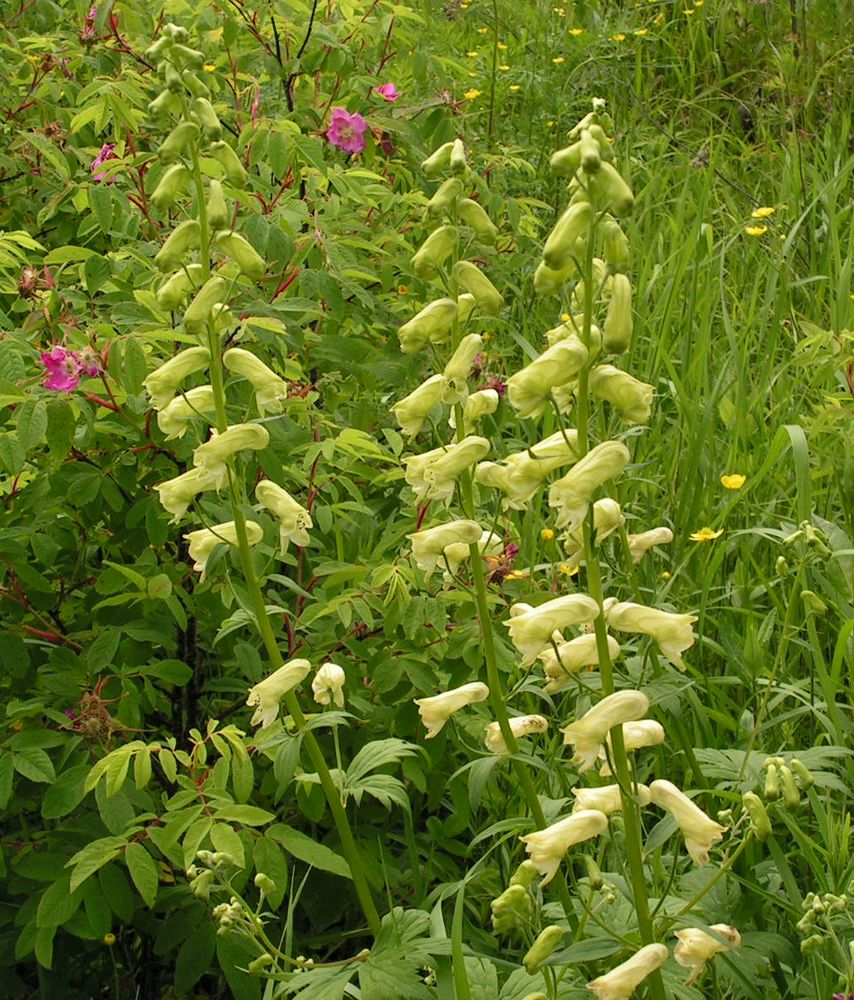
{"x": 820, "y": 912}
{"x": 786, "y": 781}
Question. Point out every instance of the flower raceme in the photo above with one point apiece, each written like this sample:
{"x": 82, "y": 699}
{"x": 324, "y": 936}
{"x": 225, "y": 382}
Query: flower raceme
{"x": 429, "y": 545}
{"x": 671, "y": 631}
{"x": 571, "y": 494}
{"x": 696, "y": 947}
{"x": 327, "y": 685}
{"x": 522, "y": 725}
{"x": 547, "y": 847}
{"x": 205, "y": 540}
{"x": 293, "y": 518}
{"x": 436, "y": 710}
{"x": 588, "y": 733}
{"x": 621, "y": 983}
{"x": 532, "y": 629}
{"x": 267, "y": 694}
{"x": 700, "y": 832}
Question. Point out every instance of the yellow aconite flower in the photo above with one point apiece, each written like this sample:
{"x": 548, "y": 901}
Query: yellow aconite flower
{"x": 572, "y": 493}
{"x": 529, "y": 388}
{"x": 734, "y": 482}
{"x": 588, "y": 733}
{"x": 641, "y": 543}
{"x": 571, "y": 657}
{"x": 202, "y": 542}
{"x": 327, "y": 685}
{"x": 671, "y": 631}
{"x": 267, "y": 694}
{"x": 436, "y": 711}
{"x": 177, "y": 494}
{"x": 293, "y": 518}
{"x": 522, "y": 473}
{"x": 700, "y": 832}
{"x": 628, "y": 395}
{"x": 531, "y": 629}
{"x": 706, "y": 535}
{"x": 762, "y": 213}
{"x": 219, "y": 448}
{"x": 607, "y": 517}
{"x": 606, "y": 798}
{"x": 522, "y": 725}
{"x": 636, "y": 736}
{"x": 440, "y": 475}
{"x": 411, "y": 411}
{"x": 175, "y": 418}
{"x": 621, "y": 983}
{"x": 429, "y": 544}
{"x": 547, "y": 847}
{"x": 162, "y": 384}
{"x": 477, "y": 405}
{"x": 270, "y": 389}
{"x": 755, "y": 230}
{"x": 457, "y": 369}
{"x": 696, "y": 947}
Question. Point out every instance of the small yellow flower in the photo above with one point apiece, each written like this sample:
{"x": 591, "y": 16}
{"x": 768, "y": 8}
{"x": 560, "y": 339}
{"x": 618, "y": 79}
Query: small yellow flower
{"x": 699, "y": 3}
{"x": 762, "y": 213}
{"x": 547, "y": 534}
{"x": 665, "y": 576}
{"x": 619, "y": 37}
{"x": 551, "y": 124}
{"x": 109, "y": 940}
{"x": 502, "y": 46}
{"x": 514, "y": 87}
{"x": 470, "y": 95}
{"x": 641, "y": 32}
{"x": 518, "y": 574}
{"x": 734, "y": 482}
{"x": 473, "y": 76}
{"x": 658, "y": 20}
{"x": 559, "y": 11}
{"x": 557, "y": 60}
{"x": 209, "y": 67}
{"x": 756, "y": 230}
{"x": 402, "y": 290}
{"x": 568, "y": 570}
{"x": 482, "y": 31}
{"x": 504, "y": 67}
{"x": 472, "y": 55}
{"x": 706, "y": 535}
{"x": 688, "y": 13}
{"x": 575, "y": 32}
{"x": 565, "y": 317}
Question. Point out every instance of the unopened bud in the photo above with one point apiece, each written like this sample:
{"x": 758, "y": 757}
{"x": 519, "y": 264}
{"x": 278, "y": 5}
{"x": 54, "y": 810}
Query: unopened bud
{"x": 594, "y": 874}
{"x": 260, "y": 963}
{"x": 772, "y": 784}
{"x": 546, "y": 942}
{"x": 201, "y": 885}
{"x": 759, "y": 820}
{"x": 524, "y": 874}
{"x": 513, "y": 906}
{"x": 813, "y": 603}
{"x": 802, "y": 773}
{"x": 265, "y": 884}
{"x": 811, "y": 944}
{"x": 781, "y": 566}
{"x": 791, "y": 794}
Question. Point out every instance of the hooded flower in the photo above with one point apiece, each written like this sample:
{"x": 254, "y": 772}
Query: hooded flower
{"x": 700, "y": 832}
{"x": 162, "y": 384}
{"x": 411, "y": 411}
{"x": 607, "y": 517}
{"x": 630, "y": 397}
{"x": 388, "y": 91}
{"x": 177, "y": 494}
{"x": 175, "y": 417}
{"x": 293, "y": 519}
{"x": 606, "y": 798}
{"x": 636, "y": 736}
{"x": 478, "y": 405}
{"x": 522, "y": 725}
{"x": 641, "y": 543}
{"x": 572, "y": 494}
{"x": 202, "y": 542}
{"x": 108, "y": 152}
{"x": 528, "y": 389}
{"x": 547, "y": 847}
{"x": 436, "y": 711}
{"x": 672, "y": 632}
{"x": 522, "y": 473}
{"x": 328, "y": 685}
{"x": 267, "y": 694}
{"x": 429, "y": 544}
{"x": 573, "y": 656}
{"x": 621, "y": 983}
{"x": 458, "y": 367}
{"x": 347, "y": 131}
{"x": 588, "y": 733}
{"x": 270, "y": 390}
{"x": 696, "y": 947}
{"x": 433, "y": 475}
{"x": 219, "y": 448}
{"x": 490, "y": 544}
{"x": 531, "y": 629}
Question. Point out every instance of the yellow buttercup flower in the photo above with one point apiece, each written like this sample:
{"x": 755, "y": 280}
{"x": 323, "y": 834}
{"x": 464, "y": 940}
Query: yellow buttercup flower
{"x": 470, "y": 95}
{"x": 734, "y": 482}
{"x": 706, "y": 535}
{"x": 641, "y": 32}
{"x": 482, "y": 31}
{"x": 547, "y": 534}
{"x": 689, "y": 13}
{"x": 763, "y": 212}
{"x": 514, "y": 87}
{"x": 472, "y": 55}
{"x": 557, "y": 60}
{"x": 209, "y": 67}
{"x": 619, "y": 37}
{"x": 756, "y": 230}
{"x": 504, "y": 67}
{"x": 575, "y": 32}
{"x": 502, "y": 46}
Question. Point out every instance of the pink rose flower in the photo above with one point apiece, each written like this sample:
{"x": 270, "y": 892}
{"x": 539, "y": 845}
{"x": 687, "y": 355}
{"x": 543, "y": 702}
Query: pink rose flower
{"x": 63, "y": 369}
{"x": 347, "y": 131}
{"x": 388, "y": 91}
{"x": 107, "y": 153}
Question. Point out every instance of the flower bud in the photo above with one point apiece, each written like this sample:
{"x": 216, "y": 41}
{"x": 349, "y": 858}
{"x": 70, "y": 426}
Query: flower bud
{"x": 813, "y": 603}
{"x": 429, "y": 544}
{"x": 547, "y": 940}
{"x": 791, "y": 793}
{"x": 457, "y": 369}
{"x": 174, "y": 419}
{"x": 162, "y": 384}
{"x": 781, "y": 566}
{"x": 772, "y": 785}
{"x": 328, "y": 685}
{"x": 759, "y": 821}
{"x": 260, "y": 963}
{"x": 265, "y": 884}
{"x": 524, "y": 874}
{"x": 812, "y": 944}
{"x": 511, "y": 910}
{"x": 802, "y": 773}
{"x": 478, "y": 405}
{"x": 641, "y": 543}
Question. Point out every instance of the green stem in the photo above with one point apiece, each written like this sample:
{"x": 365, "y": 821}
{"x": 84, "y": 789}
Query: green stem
{"x": 333, "y": 797}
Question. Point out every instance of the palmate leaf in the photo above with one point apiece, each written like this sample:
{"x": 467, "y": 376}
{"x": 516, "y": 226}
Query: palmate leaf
{"x": 401, "y": 950}
{"x": 377, "y": 754}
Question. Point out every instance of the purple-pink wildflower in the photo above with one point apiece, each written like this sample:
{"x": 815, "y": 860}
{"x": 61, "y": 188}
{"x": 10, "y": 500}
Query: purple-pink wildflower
{"x": 388, "y": 91}
{"x": 108, "y": 152}
{"x": 347, "y": 131}
{"x": 64, "y": 367}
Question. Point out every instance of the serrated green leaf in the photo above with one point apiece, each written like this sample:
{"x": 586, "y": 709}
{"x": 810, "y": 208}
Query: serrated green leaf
{"x": 32, "y": 423}
{"x": 34, "y": 763}
{"x": 92, "y": 857}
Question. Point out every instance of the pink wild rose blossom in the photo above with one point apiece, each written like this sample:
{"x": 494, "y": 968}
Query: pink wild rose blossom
{"x": 388, "y": 91}
{"x": 108, "y": 152}
{"x": 347, "y": 131}
{"x": 65, "y": 367}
